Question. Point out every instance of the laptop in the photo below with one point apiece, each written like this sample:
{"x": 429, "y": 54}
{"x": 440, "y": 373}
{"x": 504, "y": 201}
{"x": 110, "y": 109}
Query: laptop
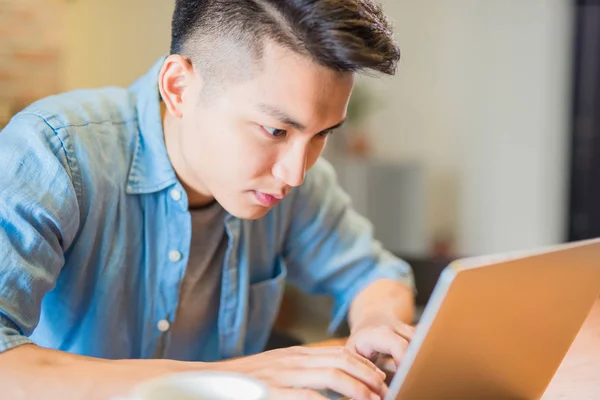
{"x": 498, "y": 327}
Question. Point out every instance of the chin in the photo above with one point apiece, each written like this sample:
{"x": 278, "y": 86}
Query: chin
{"x": 247, "y": 212}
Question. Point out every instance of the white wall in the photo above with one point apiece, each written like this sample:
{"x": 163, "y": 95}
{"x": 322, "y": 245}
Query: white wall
{"x": 482, "y": 98}
{"x": 113, "y": 42}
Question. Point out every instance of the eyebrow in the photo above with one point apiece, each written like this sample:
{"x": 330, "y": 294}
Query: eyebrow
{"x": 286, "y": 119}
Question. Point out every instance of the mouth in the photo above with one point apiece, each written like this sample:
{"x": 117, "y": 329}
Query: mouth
{"x": 268, "y": 199}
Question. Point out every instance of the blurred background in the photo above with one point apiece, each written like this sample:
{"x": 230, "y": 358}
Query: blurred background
{"x": 487, "y": 139}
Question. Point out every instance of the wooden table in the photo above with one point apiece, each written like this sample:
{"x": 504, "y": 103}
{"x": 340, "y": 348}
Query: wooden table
{"x": 578, "y": 377}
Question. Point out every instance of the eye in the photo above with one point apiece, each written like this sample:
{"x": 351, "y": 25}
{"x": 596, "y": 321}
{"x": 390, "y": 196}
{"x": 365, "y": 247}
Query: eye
{"x": 275, "y": 132}
{"x": 325, "y": 133}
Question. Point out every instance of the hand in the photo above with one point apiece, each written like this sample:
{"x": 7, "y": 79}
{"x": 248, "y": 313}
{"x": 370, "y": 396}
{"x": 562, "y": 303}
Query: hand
{"x": 298, "y": 372}
{"x": 381, "y": 336}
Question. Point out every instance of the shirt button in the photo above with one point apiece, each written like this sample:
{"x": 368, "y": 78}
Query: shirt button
{"x": 176, "y": 194}
{"x": 163, "y": 325}
{"x": 174, "y": 255}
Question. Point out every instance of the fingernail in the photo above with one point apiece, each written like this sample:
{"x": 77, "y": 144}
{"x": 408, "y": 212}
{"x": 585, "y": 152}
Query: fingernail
{"x": 380, "y": 372}
{"x": 375, "y": 397}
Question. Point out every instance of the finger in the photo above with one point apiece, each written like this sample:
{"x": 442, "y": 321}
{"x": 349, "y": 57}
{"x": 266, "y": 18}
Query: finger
{"x": 352, "y": 364}
{"x": 343, "y": 351}
{"x": 405, "y": 330}
{"x": 383, "y": 341}
{"x": 386, "y": 364}
{"x": 294, "y": 394}
{"x": 330, "y": 379}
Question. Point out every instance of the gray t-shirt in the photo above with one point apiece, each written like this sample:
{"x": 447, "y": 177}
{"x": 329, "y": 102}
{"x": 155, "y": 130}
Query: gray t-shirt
{"x": 201, "y": 286}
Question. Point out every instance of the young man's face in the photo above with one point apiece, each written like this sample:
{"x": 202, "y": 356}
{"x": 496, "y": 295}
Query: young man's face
{"x": 250, "y": 142}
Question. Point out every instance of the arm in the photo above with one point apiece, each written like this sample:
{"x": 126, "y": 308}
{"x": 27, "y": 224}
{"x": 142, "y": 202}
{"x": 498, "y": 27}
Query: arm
{"x": 379, "y": 304}
{"x": 379, "y": 318}
{"x": 39, "y": 218}
{"x": 32, "y": 372}
{"x": 381, "y": 301}
{"x": 330, "y": 249}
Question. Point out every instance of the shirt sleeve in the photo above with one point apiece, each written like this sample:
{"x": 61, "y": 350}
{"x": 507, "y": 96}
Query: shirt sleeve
{"x": 330, "y": 248}
{"x": 39, "y": 218}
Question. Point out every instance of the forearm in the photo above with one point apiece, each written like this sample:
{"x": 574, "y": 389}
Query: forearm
{"x": 384, "y": 299}
{"x": 31, "y": 372}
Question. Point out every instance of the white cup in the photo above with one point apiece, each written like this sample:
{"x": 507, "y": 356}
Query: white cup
{"x": 203, "y": 385}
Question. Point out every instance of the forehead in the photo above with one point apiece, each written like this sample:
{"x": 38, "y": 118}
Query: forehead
{"x": 300, "y": 85}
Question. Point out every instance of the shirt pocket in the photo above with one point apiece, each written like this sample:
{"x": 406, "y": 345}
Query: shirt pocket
{"x": 264, "y": 299}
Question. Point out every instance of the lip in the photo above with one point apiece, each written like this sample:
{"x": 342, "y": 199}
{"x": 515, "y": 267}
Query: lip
{"x": 267, "y": 199}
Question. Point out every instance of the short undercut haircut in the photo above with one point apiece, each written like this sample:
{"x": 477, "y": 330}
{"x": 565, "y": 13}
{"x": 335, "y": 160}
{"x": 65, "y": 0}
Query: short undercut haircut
{"x": 343, "y": 35}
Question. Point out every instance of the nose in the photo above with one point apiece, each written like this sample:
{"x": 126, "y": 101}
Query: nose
{"x": 291, "y": 168}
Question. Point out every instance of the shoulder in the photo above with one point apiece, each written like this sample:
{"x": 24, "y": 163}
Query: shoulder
{"x": 92, "y": 133}
{"x": 320, "y": 188}
{"x": 85, "y": 107}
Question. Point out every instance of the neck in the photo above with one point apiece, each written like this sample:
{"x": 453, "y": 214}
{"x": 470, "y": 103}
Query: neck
{"x": 171, "y": 128}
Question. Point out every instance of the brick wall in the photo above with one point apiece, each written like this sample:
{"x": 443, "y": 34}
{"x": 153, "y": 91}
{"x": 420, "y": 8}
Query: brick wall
{"x": 32, "y": 43}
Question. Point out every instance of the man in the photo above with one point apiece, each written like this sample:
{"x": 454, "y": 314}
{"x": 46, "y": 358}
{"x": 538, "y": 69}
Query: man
{"x": 150, "y": 230}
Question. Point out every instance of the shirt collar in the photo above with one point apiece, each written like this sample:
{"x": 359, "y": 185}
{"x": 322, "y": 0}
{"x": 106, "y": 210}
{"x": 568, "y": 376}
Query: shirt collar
{"x": 151, "y": 169}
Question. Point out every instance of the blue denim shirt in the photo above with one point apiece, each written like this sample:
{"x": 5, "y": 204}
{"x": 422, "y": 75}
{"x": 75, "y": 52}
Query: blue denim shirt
{"x": 95, "y": 236}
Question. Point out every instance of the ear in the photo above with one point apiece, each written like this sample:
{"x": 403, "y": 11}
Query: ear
{"x": 175, "y": 78}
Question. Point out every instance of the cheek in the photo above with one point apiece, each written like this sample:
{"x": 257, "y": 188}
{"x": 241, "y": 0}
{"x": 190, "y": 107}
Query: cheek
{"x": 202, "y": 149}
{"x": 315, "y": 152}
{"x": 254, "y": 160}
{"x": 207, "y": 137}
{"x": 238, "y": 155}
